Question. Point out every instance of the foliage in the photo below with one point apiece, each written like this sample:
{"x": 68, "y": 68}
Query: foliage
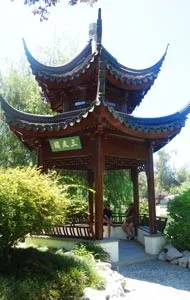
{"x": 41, "y": 7}
{"x": 182, "y": 174}
{"x": 118, "y": 189}
{"x": 183, "y": 178}
{"x": 143, "y": 207}
{"x": 183, "y": 187}
{"x": 77, "y": 194}
{"x": 165, "y": 174}
{"x": 29, "y": 201}
{"x": 178, "y": 227}
{"x": 61, "y": 49}
{"x": 44, "y": 275}
{"x": 83, "y": 248}
{"x": 77, "y": 183}
{"x": 76, "y": 211}
{"x": 22, "y": 92}
{"x": 143, "y": 185}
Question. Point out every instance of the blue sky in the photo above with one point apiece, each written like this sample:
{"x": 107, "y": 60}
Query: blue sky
{"x": 136, "y": 32}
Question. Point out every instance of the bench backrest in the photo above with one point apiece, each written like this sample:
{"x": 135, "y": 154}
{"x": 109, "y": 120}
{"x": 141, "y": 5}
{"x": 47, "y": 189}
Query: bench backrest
{"x": 70, "y": 231}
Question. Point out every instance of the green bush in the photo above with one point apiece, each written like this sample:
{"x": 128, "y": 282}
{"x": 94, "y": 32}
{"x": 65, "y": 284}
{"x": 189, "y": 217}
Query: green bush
{"x": 179, "y": 221}
{"x": 76, "y": 211}
{"x": 143, "y": 207}
{"x": 29, "y": 201}
{"x": 31, "y": 274}
{"x": 84, "y": 248}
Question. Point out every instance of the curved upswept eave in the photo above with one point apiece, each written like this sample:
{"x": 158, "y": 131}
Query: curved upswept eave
{"x": 68, "y": 67}
{"x": 30, "y": 121}
{"x": 169, "y": 123}
{"x": 185, "y": 110}
{"x": 112, "y": 62}
{"x": 181, "y": 114}
{"x": 13, "y": 114}
{"x": 165, "y": 124}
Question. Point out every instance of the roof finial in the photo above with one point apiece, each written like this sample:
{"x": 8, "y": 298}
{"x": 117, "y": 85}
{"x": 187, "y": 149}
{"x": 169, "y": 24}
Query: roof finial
{"x": 99, "y": 28}
{"x": 99, "y": 13}
{"x": 167, "y": 49}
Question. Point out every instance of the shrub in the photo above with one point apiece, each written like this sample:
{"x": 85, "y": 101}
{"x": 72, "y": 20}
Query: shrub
{"x": 89, "y": 247}
{"x": 76, "y": 211}
{"x": 143, "y": 207}
{"x": 44, "y": 275}
{"x": 179, "y": 222}
{"x": 29, "y": 201}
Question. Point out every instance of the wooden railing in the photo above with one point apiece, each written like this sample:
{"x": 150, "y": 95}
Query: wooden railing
{"x": 144, "y": 220}
{"x": 82, "y": 230}
{"x": 160, "y": 222}
{"x": 118, "y": 218}
{"x": 79, "y": 231}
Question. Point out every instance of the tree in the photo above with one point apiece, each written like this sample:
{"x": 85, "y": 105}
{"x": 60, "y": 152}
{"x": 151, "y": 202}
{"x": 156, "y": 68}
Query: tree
{"x": 59, "y": 51}
{"x": 182, "y": 175}
{"x": 77, "y": 193}
{"x": 23, "y": 93}
{"x": 21, "y": 90}
{"x": 41, "y": 7}
{"x": 165, "y": 175}
{"x": 143, "y": 194}
{"x": 29, "y": 202}
{"x": 118, "y": 189}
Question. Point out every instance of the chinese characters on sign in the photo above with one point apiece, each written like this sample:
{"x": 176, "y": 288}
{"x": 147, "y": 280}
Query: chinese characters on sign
{"x": 65, "y": 144}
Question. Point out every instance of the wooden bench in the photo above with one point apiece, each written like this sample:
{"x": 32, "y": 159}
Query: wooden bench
{"x": 160, "y": 222}
{"x": 143, "y": 230}
{"x": 79, "y": 231}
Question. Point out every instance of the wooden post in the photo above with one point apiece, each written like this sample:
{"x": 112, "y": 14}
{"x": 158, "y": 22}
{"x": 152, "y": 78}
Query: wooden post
{"x": 99, "y": 170}
{"x": 90, "y": 197}
{"x": 40, "y": 159}
{"x": 151, "y": 190}
{"x": 134, "y": 177}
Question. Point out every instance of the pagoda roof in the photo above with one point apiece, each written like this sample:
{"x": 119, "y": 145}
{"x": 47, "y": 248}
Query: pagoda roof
{"x": 155, "y": 129}
{"x": 86, "y": 64}
{"x": 64, "y": 73}
{"x": 82, "y": 62}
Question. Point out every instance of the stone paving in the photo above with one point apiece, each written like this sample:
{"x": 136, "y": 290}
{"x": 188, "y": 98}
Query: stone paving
{"x": 156, "y": 280}
{"x": 151, "y": 279}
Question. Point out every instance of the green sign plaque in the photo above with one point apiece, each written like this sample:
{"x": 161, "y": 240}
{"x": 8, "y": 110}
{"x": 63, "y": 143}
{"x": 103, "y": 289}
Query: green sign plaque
{"x": 65, "y": 144}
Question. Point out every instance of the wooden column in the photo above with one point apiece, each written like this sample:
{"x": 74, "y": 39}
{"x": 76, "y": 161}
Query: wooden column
{"x": 90, "y": 178}
{"x": 151, "y": 190}
{"x": 98, "y": 172}
{"x": 40, "y": 158}
{"x": 135, "y": 179}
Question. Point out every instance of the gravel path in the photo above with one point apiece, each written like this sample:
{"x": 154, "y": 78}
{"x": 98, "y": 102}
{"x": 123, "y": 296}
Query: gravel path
{"x": 157, "y": 280}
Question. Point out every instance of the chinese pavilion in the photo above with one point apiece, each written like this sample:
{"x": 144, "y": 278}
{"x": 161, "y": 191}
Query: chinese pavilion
{"x": 93, "y": 130}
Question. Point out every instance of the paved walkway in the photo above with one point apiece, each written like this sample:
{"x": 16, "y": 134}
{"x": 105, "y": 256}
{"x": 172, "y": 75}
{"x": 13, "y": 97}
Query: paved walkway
{"x": 149, "y": 278}
{"x": 131, "y": 252}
